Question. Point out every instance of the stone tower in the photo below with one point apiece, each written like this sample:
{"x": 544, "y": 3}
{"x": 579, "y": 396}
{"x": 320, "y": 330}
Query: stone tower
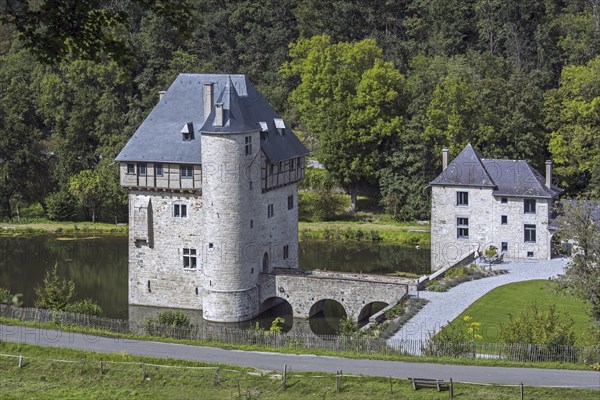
{"x": 211, "y": 175}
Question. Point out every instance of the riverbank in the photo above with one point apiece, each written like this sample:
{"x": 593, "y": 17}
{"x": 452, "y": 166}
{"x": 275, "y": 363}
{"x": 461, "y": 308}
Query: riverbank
{"x": 389, "y": 232}
{"x": 32, "y": 228}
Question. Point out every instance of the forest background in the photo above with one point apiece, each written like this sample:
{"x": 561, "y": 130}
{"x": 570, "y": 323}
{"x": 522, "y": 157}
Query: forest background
{"x": 374, "y": 88}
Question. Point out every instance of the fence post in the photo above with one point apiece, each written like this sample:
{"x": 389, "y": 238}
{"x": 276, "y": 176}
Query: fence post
{"x": 20, "y": 361}
{"x": 451, "y": 393}
{"x": 284, "y": 377}
{"x": 143, "y": 372}
{"x": 391, "y": 386}
{"x": 522, "y": 391}
{"x": 101, "y": 367}
{"x": 216, "y": 377}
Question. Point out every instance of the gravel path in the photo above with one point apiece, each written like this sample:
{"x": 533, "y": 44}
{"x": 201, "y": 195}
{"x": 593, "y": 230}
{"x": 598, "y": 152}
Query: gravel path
{"x": 445, "y": 306}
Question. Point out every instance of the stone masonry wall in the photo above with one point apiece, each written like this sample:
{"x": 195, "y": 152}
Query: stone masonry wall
{"x": 485, "y": 228}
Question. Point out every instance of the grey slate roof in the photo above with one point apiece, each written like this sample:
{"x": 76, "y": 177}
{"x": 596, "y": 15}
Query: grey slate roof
{"x": 511, "y": 178}
{"x": 465, "y": 170}
{"x": 159, "y": 137}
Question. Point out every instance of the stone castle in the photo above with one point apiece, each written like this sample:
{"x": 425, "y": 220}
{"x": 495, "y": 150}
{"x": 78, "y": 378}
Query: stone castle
{"x": 212, "y": 177}
{"x": 478, "y": 203}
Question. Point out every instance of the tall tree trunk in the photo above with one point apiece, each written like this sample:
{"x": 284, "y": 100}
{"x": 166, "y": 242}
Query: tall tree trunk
{"x": 353, "y": 197}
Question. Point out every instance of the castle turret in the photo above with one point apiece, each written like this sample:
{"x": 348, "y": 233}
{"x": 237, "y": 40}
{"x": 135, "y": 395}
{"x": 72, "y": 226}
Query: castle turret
{"x": 230, "y": 276}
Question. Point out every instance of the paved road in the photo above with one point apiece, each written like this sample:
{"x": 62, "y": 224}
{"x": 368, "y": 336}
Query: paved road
{"x": 275, "y": 361}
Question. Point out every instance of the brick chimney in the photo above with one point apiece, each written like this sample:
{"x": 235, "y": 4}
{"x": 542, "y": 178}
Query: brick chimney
{"x": 208, "y": 99}
{"x": 161, "y": 94}
{"x": 444, "y": 159}
{"x": 549, "y": 174}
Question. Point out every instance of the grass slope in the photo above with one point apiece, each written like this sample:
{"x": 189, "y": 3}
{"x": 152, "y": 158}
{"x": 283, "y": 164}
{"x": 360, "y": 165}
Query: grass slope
{"x": 492, "y": 309}
{"x": 42, "y": 378}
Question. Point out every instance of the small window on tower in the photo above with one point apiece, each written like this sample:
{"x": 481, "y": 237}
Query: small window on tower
{"x": 189, "y": 258}
{"x": 248, "y": 145}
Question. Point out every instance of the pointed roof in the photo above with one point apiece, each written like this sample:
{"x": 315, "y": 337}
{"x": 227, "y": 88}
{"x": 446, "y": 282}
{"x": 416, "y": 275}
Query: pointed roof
{"x": 159, "y": 138}
{"x": 465, "y": 170}
{"x": 234, "y": 118}
{"x": 511, "y": 178}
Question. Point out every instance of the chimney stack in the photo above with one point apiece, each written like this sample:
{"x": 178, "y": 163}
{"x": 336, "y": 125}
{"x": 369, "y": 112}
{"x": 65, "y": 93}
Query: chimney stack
{"x": 549, "y": 174}
{"x": 161, "y": 94}
{"x": 208, "y": 99}
{"x": 444, "y": 159}
{"x": 218, "y": 121}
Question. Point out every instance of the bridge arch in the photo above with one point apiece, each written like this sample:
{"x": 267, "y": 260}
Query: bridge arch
{"x": 325, "y": 316}
{"x": 370, "y": 309}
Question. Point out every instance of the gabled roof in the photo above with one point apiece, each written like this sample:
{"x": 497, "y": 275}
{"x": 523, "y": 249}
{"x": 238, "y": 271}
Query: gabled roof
{"x": 159, "y": 137}
{"x": 465, "y": 170}
{"x": 511, "y": 178}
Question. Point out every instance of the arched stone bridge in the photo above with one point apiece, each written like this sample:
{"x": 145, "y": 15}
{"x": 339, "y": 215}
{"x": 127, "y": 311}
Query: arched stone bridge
{"x": 303, "y": 289}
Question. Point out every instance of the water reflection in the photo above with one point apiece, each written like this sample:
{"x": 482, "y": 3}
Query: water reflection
{"x": 98, "y": 265}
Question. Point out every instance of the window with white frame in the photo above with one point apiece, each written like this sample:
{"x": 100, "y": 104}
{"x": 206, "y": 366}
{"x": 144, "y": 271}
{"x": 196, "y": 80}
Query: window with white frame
{"x": 158, "y": 169}
{"x": 130, "y": 169}
{"x": 462, "y": 198}
{"x": 529, "y": 205}
{"x": 462, "y": 228}
{"x": 530, "y": 234}
{"x": 189, "y": 258}
{"x": 142, "y": 169}
{"x": 180, "y": 210}
{"x": 187, "y": 171}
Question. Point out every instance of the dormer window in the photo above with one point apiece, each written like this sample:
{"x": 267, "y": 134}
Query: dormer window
{"x": 188, "y": 131}
{"x": 263, "y": 126}
{"x": 280, "y": 125}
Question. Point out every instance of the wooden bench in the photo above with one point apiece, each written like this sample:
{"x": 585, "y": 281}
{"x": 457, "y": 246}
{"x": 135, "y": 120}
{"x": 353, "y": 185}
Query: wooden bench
{"x": 419, "y": 383}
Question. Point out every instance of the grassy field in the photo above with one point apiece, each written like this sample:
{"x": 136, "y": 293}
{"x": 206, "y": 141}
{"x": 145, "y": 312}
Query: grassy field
{"x": 493, "y": 308}
{"x": 40, "y": 227}
{"x": 50, "y": 373}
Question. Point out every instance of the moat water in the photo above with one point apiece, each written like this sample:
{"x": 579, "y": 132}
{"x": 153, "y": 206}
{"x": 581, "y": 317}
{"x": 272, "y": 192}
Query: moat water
{"x": 98, "y": 266}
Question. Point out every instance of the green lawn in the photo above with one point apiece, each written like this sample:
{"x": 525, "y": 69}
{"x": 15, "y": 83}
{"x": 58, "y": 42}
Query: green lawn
{"x": 493, "y": 308}
{"x": 52, "y": 373}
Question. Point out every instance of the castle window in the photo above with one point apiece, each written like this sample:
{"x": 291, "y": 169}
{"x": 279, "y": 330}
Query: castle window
{"x": 292, "y": 164}
{"x": 189, "y": 258}
{"x": 142, "y": 169}
{"x": 529, "y": 233}
{"x": 286, "y": 252}
{"x": 504, "y": 246}
{"x": 130, "y": 169}
{"x": 187, "y": 171}
{"x": 250, "y": 185}
{"x": 504, "y": 200}
{"x": 248, "y": 145}
{"x": 530, "y": 254}
{"x": 158, "y": 169}
{"x": 462, "y": 228}
{"x": 504, "y": 219}
{"x": 270, "y": 211}
{"x": 529, "y": 206}
{"x": 180, "y": 210}
{"x": 251, "y": 224}
{"x": 271, "y": 169}
{"x": 462, "y": 198}
{"x": 290, "y": 202}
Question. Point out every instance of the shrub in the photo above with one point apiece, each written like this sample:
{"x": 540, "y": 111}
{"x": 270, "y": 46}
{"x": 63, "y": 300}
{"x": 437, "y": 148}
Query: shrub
{"x": 60, "y": 206}
{"x": 85, "y": 306}
{"x": 491, "y": 251}
{"x": 374, "y": 235}
{"x": 455, "y": 272}
{"x": 539, "y": 326}
{"x": 173, "y": 318}
{"x": 55, "y": 292}
{"x": 435, "y": 286}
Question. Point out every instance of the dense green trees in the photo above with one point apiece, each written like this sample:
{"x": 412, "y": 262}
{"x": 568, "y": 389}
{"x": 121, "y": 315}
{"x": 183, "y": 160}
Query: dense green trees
{"x": 375, "y": 88}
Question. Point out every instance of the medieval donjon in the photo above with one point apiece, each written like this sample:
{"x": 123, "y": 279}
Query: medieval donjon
{"x": 211, "y": 175}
